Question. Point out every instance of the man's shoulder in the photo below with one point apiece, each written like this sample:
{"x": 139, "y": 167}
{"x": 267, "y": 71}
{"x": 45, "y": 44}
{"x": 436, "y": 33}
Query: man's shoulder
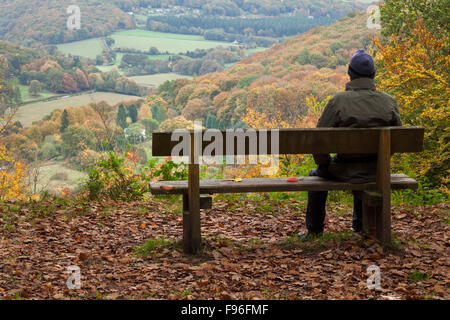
{"x": 352, "y": 94}
{"x": 387, "y": 96}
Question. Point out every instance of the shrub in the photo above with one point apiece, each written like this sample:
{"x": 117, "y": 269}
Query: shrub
{"x": 61, "y": 176}
{"x": 118, "y": 177}
{"x": 87, "y": 158}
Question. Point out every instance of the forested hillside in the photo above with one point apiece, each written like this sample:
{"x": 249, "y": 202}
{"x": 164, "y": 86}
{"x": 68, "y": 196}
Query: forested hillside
{"x": 37, "y": 22}
{"x": 44, "y": 21}
{"x": 231, "y": 8}
{"x": 279, "y": 83}
{"x": 274, "y": 82}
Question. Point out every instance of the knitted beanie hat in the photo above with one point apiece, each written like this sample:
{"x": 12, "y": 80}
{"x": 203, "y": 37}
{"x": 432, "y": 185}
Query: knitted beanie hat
{"x": 361, "y": 65}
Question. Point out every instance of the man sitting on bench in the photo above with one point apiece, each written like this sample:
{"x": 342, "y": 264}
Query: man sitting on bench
{"x": 360, "y": 106}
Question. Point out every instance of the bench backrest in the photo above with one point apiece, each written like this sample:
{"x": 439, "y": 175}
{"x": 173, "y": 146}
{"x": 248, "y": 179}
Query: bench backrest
{"x": 309, "y": 141}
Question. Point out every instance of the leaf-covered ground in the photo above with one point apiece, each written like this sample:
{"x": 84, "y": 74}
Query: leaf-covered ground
{"x": 249, "y": 252}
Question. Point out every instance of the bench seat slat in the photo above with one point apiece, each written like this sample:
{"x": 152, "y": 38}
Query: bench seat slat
{"x": 398, "y": 181}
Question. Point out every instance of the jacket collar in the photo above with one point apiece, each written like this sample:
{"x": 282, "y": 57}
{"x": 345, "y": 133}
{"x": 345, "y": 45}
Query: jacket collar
{"x": 361, "y": 84}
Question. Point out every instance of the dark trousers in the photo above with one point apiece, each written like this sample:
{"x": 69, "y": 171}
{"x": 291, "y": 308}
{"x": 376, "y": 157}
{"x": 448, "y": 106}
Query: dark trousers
{"x": 315, "y": 211}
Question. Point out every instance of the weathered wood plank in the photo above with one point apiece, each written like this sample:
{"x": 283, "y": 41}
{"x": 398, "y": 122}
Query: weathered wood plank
{"x": 205, "y": 201}
{"x": 372, "y": 198}
{"x": 383, "y": 219}
{"x": 369, "y": 218}
{"x": 191, "y": 231}
{"x": 310, "y": 141}
{"x": 398, "y": 181}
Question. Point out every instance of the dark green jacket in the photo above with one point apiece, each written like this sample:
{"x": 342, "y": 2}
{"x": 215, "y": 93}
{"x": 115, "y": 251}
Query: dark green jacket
{"x": 360, "y": 106}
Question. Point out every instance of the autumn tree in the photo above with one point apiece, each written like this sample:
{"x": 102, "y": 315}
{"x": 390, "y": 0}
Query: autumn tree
{"x": 195, "y": 109}
{"x": 12, "y": 173}
{"x": 176, "y": 123}
{"x": 69, "y": 85}
{"x": 150, "y": 125}
{"x": 415, "y": 69}
{"x": 105, "y": 114}
{"x": 35, "y": 87}
{"x": 77, "y": 139}
{"x": 158, "y": 107}
{"x": 82, "y": 80}
{"x": 144, "y": 112}
{"x": 399, "y": 17}
{"x": 9, "y": 97}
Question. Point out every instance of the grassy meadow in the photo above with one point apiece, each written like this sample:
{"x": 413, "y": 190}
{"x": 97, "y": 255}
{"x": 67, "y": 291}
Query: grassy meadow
{"x": 26, "y": 97}
{"x": 174, "y": 43}
{"x": 142, "y": 40}
{"x": 36, "y": 111}
{"x": 155, "y": 80}
{"x": 55, "y": 177}
{"x": 86, "y": 48}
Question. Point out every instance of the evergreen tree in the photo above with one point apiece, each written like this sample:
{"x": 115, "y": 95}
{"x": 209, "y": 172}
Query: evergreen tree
{"x": 133, "y": 113}
{"x": 64, "y": 121}
{"x": 122, "y": 117}
{"x": 159, "y": 113}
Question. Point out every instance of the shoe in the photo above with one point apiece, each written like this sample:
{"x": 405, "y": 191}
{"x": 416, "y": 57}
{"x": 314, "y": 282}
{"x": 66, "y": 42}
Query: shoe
{"x": 308, "y": 235}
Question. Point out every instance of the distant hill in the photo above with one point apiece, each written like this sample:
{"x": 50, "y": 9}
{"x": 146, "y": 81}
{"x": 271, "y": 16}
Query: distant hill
{"x": 26, "y": 22}
{"x": 30, "y": 23}
{"x": 277, "y": 80}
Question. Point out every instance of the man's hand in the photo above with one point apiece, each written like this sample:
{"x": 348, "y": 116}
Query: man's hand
{"x": 322, "y": 159}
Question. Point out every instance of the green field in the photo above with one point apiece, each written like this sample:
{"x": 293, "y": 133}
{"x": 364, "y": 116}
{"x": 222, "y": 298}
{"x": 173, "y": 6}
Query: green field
{"x": 142, "y": 40}
{"x": 173, "y": 43}
{"x": 117, "y": 63}
{"x": 25, "y": 94}
{"x": 155, "y": 80}
{"x": 159, "y": 57}
{"x": 87, "y": 48}
{"x": 68, "y": 178}
{"x": 36, "y": 111}
{"x": 250, "y": 52}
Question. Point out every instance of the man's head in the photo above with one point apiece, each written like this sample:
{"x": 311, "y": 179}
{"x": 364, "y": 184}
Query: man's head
{"x": 361, "y": 66}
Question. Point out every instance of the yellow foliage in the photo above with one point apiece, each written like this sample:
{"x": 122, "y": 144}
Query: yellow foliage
{"x": 145, "y": 112}
{"x": 417, "y": 72}
{"x": 11, "y": 177}
{"x": 258, "y": 120}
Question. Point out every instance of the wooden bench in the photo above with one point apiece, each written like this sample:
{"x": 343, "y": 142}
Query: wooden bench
{"x": 375, "y": 196}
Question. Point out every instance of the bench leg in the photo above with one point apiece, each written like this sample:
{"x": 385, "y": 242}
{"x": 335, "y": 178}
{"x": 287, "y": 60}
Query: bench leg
{"x": 376, "y": 215}
{"x": 191, "y": 213}
{"x": 384, "y": 185}
{"x": 383, "y": 220}
{"x": 369, "y": 218}
{"x": 187, "y": 231}
{"x": 191, "y": 244}
{"x": 375, "y": 224}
